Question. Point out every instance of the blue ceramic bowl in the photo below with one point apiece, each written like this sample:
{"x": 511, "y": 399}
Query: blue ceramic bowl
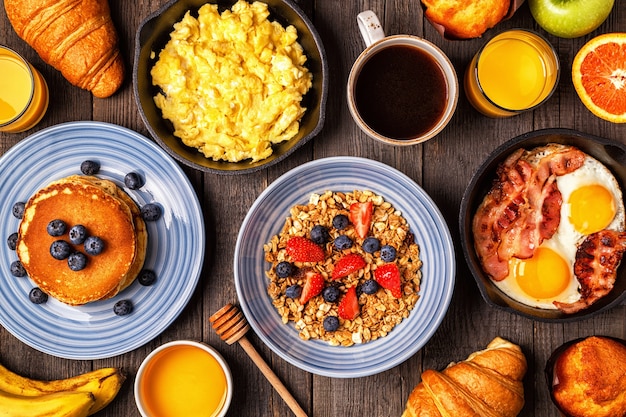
{"x": 267, "y": 217}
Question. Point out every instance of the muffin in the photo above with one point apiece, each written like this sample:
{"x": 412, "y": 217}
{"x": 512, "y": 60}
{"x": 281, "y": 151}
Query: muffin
{"x": 589, "y": 378}
{"x": 466, "y": 19}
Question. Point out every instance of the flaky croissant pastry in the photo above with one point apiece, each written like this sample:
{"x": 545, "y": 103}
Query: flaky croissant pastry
{"x": 77, "y": 37}
{"x": 487, "y": 384}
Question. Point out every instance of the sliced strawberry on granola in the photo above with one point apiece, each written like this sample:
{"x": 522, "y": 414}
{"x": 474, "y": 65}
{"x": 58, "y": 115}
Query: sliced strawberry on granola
{"x": 347, "y": 265}
{"x": 313, "y": 284}
{"x": 302, "y": 249}
{"x": 349, "y": 308}
{"x": 361, "y": 217}
{"x": 388, "y": 276}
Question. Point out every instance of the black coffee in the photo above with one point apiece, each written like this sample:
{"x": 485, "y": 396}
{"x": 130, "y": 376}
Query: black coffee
{"x": 401, "y": 92}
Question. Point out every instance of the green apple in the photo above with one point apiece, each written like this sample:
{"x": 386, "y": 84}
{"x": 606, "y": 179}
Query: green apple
{"x": 570, "y": 18}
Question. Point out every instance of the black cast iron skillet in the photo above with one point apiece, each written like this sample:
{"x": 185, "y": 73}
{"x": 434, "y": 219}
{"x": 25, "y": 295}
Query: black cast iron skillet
{"x": 153, "y": 34}
{"x": 610, "y": 153}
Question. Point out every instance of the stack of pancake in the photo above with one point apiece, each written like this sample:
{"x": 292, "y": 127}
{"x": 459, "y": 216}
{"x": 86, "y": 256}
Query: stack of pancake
{"x": 108, "y": 213}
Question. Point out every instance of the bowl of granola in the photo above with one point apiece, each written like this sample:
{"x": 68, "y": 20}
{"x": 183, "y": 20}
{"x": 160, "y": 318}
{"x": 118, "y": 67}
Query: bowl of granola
{"x": 344, "y": 275}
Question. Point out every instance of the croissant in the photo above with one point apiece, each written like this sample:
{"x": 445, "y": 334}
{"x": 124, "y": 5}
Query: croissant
{"x": 77, "y": 37}
{"x": 487, "y": 384}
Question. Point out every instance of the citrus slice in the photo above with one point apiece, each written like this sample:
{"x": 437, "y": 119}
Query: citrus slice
{"x": 599, "y": 76}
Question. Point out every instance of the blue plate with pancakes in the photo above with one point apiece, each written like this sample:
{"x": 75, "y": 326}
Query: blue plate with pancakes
{"x": 175, "y": 251}
{"x": 266, "y": 218}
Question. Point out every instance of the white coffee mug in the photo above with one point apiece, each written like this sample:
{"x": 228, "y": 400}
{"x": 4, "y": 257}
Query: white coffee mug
{"x": 402, "y": 89}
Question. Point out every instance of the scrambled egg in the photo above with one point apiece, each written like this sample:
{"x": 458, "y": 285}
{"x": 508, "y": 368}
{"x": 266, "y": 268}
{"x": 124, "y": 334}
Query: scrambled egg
{"x": 232, "y": 84}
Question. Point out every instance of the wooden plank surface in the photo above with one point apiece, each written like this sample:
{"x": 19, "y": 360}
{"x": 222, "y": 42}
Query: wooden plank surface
{"x": 442, "y": 166}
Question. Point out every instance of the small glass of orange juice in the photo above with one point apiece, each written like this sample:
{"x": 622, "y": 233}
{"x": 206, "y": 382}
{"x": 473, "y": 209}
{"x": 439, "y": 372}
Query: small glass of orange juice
{"x": 23, "y": 93}
{"x": 181, "y": 379}
{"x": 515, "y": 71}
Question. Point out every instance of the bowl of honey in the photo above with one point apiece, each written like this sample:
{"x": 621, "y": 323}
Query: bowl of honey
{"x": 183, "y": 378}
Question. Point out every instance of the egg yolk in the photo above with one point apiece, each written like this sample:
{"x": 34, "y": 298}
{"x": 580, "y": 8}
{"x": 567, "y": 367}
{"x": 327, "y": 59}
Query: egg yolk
{"x": 544, "y": 275}
{"x": 591, "y": 208}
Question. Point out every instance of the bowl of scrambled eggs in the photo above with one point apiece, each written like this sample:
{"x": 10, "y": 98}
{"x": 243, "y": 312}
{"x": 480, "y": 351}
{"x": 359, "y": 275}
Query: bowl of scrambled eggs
{"x": 230, "y": 86}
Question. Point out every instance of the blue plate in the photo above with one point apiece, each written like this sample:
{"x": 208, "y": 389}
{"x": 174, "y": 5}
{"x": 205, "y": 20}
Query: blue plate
{"x": 266, "y": 218}
{"x": 175, "y": 252}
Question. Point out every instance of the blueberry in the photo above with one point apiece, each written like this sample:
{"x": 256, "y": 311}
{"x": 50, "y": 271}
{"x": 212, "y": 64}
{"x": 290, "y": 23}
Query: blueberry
{"x": 93, "y": 245}
{"x": 293, "y": 291}
{"x": 37, "y": 296}
{"x": 331, "y": 294}
{"x": 343, "y": 242}
{"x": 340, "y": 221}
{"x": 319, "y": 234}
{"x": 331, "y": 323}
{"x": 17, "y": 269}
{"x": 388, "y": 253}
{"x": 78, "y": 234}
{"x": 77, "y": 261}
{"x": 369, "y": 287}
{"x": 151, "y": 212}
{"x": 284, "y": 269}
{"x": 12, "y": 241}
{"x": 122, "y": 307}
{"x": 133, "y": 181}
{"x": 89, "y": 167}
{"x": 371, "y": 244}
{"x": 146, "y": 277}
{"x": 56, "y": 228}
{"x": 60, "y": 249}
{"x": 18, "y": 210}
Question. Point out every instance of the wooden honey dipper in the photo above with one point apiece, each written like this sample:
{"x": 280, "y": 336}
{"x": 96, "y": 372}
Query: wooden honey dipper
{"x": 232, "y": 326}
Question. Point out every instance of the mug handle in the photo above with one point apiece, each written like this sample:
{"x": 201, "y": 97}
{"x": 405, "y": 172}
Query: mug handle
{"x": 370, "y": 27}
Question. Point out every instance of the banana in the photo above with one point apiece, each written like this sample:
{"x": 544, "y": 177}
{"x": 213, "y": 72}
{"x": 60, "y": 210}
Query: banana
{"x": 58, "y": 404}
{"x": 103, "y": 383}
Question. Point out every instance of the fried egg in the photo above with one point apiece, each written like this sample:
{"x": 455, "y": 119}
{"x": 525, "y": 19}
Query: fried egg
{"x": 592, "y": 201}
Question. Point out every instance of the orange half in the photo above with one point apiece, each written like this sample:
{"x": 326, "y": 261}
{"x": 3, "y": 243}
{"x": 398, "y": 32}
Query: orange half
{"x": 599, "y": 76}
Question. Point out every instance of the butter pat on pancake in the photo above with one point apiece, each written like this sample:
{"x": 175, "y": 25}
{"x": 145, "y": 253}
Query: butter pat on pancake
{"x": 232, "y": 83}
{"x": 105, "y": 211}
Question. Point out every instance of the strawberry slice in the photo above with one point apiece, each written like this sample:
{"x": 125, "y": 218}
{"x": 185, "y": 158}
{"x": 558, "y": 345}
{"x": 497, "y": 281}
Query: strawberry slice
{"x": 302, "y": 249}
{"x": 361, "y": 217}
{"x": 313, "y": 284}
{"x": 388, "y": 276}
{"x": 349, "y": 308}
{"x": 350, "y": 263}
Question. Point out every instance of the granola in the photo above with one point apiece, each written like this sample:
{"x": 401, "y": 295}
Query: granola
{"x": 378, "y": 310}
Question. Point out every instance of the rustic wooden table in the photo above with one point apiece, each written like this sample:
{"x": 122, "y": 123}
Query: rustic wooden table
{"x": 442, "y": 167}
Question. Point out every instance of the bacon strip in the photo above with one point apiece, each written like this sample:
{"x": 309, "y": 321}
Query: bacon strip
{"x": 523, "y": 207}
{"x": 597, "y": 260}
{"x": 498, "y": 212}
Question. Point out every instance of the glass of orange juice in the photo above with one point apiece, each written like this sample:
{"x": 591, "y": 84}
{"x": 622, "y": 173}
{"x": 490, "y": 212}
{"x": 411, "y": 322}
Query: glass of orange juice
{"x": 23, "y": 93}
{"x": 515, "y": 71}
{"x": 183, "y": 378}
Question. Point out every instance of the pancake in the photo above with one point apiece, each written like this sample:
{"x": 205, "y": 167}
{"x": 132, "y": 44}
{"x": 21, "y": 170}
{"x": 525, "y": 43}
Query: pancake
{"x": 107, "y": 212}
{"x": 140, "y": 229}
